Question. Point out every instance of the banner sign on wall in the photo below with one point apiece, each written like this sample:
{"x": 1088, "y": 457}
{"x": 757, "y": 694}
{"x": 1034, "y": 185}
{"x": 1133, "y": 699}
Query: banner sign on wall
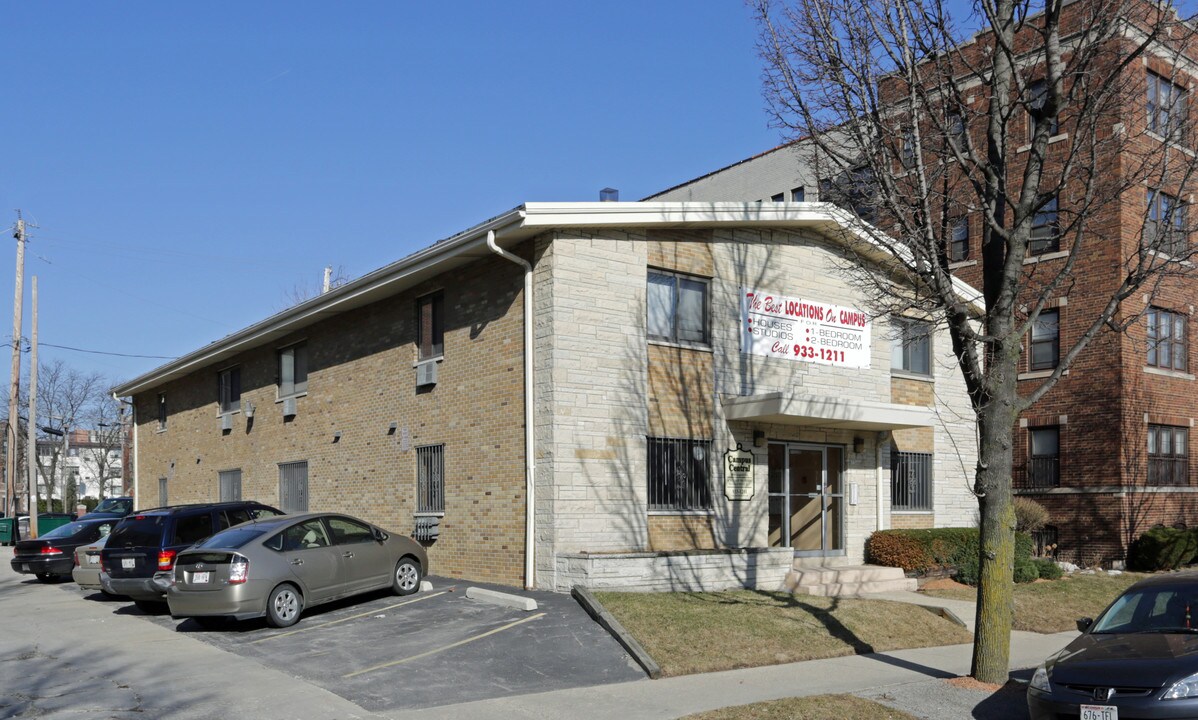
{"x": 804, "y": 330}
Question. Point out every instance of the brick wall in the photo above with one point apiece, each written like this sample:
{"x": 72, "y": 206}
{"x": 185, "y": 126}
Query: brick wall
{"x": 361, "y": 380}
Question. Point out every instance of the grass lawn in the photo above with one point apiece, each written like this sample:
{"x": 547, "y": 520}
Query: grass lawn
{"x": 815, "y": 707}
{"x": 1048, "y": 607}
{"x": 703, "y": 632}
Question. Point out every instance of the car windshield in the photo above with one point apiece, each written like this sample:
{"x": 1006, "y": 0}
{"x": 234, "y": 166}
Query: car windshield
{"x": 1152, "y": 609}
{"x": 232, "y": 538}
{"x": 64, "y": 531}
{"x": 115, "y": 505}
{"x": 140, "y": 531}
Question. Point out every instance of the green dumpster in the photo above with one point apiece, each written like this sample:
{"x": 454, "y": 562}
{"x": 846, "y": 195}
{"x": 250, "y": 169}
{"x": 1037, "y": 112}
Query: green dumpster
{"x": 7, "y": 528}
{"x": 47, "y": 523}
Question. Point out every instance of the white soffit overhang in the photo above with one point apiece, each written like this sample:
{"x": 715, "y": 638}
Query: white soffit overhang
{"x": 826, "y": 411}
{"x": 510, "y": 228}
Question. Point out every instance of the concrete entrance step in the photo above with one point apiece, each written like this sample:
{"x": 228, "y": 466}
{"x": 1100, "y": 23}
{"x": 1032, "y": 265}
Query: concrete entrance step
{"x": 847, "y": 581}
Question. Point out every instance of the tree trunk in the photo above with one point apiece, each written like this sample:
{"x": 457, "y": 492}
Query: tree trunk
{"x": 996, "y": 561}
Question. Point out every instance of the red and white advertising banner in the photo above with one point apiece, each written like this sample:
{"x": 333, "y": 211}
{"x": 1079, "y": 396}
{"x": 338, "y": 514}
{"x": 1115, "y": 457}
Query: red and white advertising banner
{"x": 804, "y": 330}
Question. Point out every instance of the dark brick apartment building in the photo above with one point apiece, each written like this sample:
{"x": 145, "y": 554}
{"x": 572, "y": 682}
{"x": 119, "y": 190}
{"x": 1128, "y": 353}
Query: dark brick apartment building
{"x": 1107, "y": 450}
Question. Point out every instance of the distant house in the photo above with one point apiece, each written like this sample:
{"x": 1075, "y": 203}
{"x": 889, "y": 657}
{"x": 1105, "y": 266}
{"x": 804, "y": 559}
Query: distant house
{"x": 92, "y": 460}
{"x": 710, "y": 400}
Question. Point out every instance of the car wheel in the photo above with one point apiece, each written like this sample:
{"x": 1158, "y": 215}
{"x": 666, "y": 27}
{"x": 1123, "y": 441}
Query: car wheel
{"x": 47, "y": 577}
{"x": 284, "y": 606}
{"x": 149, "y": 607}
{"x": 406, "y": 579}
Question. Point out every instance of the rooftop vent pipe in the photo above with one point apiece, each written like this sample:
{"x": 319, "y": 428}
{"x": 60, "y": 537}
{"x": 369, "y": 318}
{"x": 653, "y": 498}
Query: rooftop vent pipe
{"x": 609, "y": 195}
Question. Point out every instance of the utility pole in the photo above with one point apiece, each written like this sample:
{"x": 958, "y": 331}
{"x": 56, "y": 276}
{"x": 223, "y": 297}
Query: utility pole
{"x": 15, "y": 385}
{"x": 31, "y": 451}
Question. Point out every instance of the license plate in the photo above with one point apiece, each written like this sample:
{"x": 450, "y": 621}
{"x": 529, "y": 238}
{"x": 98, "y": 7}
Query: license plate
{"x": 24, "y": 568}
{"x": 93, "y": 559}
{"x": 201, "y": 577}
{"x": 128, "y": 563}
{"x": 1099, "y": 712}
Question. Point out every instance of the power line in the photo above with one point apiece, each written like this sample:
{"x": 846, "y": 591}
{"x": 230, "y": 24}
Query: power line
{"x": 102, "y": 352}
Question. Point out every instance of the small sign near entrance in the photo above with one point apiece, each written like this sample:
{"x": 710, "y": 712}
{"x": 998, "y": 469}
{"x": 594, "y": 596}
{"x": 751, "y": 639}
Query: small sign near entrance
{"x": 738, "y": 474}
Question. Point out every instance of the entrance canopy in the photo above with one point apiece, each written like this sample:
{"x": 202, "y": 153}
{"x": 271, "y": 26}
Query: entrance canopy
{"x": 830, "y": 412}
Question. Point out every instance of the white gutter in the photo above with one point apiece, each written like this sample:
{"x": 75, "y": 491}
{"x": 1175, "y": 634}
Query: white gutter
{"x": 529, "y": 440}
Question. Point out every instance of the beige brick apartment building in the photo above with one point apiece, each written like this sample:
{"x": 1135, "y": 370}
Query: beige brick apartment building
{"x": 710, "y": 398}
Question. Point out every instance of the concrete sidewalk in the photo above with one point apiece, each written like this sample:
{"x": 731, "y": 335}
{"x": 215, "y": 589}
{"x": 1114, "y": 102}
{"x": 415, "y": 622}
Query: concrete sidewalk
{"x": 885, "y": 676}
{"x": 62, "y": 656}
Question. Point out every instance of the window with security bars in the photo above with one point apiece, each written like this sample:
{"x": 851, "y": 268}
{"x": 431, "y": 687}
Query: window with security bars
{"x": 679, "y": 473}
{"x": 230, "y": 485}
{"x": 1046, "y": 541}
{"x": 910, "y": 480}
{"x": 1168, "y": 455}
{"x": 430, "y": 479}
{"x": 1044, "y": 457}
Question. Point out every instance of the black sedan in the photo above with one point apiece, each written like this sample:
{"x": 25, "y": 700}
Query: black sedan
{"x": 52, "y": 555}
{"x": 1139, "y": 659}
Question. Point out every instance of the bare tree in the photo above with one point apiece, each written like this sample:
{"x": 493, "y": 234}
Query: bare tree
{"x": 1035, "y": 131}
{"x": 66, "y": 397}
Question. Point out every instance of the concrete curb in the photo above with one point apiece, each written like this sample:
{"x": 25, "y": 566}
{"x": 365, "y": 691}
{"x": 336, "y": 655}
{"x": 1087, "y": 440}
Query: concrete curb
{"x": 601, "y": 615}
{"x": 499, "y": 598}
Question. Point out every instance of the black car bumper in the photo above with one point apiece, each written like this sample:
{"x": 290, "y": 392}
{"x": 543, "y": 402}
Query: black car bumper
{"x": 43, "y": 565}
{"x": 1046, "y": 706}
{"x": 151, "y": 588}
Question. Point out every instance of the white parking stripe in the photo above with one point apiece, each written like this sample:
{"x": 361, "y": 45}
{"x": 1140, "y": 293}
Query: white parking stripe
{"x": 443, "y": 649}
{"x": 351, "y": 617}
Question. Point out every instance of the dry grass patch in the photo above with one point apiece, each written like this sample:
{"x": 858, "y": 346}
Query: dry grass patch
{"x": 1055, "y": 606}
{"x": 815, "y": 707}
{"x": 703, "y": 632}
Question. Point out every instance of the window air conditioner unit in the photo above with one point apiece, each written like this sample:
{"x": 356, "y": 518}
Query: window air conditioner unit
{"x": 226, "y": 421}
{"x": 289, "y": 407}
{"x": 426, "y": 374}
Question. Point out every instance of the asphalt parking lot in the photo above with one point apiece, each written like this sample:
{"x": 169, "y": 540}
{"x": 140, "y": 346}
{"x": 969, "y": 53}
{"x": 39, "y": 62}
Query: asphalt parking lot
{"x": 384, "y": 652}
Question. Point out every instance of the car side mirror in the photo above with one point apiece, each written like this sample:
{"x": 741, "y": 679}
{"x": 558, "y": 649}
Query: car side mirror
{"x": 379, "y": 535}
{"x": 1083, "y": 624}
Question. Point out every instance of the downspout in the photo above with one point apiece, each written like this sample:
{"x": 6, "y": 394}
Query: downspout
{"x": 133, "y": 460}
{"x": 529, "y": 440}
{"x": 882, "y": 438}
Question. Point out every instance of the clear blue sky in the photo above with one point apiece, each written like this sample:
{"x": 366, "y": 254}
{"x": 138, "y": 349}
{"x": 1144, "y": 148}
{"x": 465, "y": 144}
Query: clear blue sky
{"x": 190, "y": 163}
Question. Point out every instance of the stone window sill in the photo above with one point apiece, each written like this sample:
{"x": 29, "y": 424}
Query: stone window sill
{"x": 1168, "y": 373}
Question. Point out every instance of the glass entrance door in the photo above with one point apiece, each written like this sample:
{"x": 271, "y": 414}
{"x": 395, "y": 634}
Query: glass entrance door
{"x": 806, "y": 498}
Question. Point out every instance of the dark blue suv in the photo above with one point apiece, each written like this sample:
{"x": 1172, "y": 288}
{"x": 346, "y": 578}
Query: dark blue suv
{"x": 140, "y": 554}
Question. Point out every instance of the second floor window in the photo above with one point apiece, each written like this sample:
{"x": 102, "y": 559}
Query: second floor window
{"x": 1045, "y": 236}
{"x": 911, "y": 347}
{"x": 958, "y": 242}
{"x": 293, "y": 370}
{"x": 677, "y": 308}
{"x": 1167, "y": 346}
{"x": 1167, "y": 107}
{"x": 161, "y": 411}
{"x": 430, "y": 326}
{"x": 228, "y": 389}
{"x": 1046, "y": 340}
{"x": 1165, "y": 229}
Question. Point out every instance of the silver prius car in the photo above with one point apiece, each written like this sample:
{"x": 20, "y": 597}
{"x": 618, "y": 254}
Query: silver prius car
{"x": 275, "y": 567}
